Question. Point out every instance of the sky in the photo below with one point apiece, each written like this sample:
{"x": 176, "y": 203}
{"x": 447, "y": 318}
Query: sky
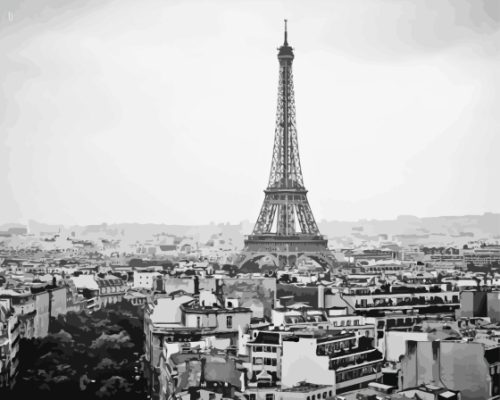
{"x": 163, "y": 111}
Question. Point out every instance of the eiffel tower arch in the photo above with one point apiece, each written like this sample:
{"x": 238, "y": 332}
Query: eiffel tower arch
{"x": 285, "y": 227}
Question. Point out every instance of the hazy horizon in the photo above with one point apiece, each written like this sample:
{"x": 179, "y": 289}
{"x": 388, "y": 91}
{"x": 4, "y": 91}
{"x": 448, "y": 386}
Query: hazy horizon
{"x": 242, "y": 221}
{"x": 163, "y": 111}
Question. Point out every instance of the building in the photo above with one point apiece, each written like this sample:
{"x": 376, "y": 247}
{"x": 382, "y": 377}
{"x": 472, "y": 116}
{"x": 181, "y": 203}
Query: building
{"x": 366, "y": 300}
{"x": 136, "y": 298}
{"x": 24, "y": 306}
{"x": 301, "y": 391}
{"x": 111, "y": 290}
{"x": 471, "y": 368}
{"x": 346, "y": 360}
{"x": 206, "y": 321}
{"x": 265, "y": 355}
{"x": 189, "y": 371}
{"x": 482, "y": 257}
{"x": 9, "y": 346}
{"x": 58, "y": 300}
{"x": 42, "y": 316}
{"x": 479, "y": 303}
{"x": 145, "y": 279}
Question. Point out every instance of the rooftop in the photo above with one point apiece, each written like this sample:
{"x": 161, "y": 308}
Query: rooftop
{"x": 305, "y": 387}
{"x": 267, "y": 338}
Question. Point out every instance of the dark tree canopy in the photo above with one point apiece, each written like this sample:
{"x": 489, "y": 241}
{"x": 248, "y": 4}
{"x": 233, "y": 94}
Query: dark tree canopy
{"x": 85, "y": 356}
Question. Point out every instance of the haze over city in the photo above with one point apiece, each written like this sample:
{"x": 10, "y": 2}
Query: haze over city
{"x": 153, "y": 111}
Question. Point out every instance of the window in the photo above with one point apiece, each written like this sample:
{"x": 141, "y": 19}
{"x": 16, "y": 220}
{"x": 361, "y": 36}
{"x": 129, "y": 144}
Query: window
{"x": 198, "y": 322}
{"x": 269, "y": 396}
{"x": 258, "y": 348}
{"x": 324, "y": 395}
{"x": 349, "y": 323}
{"x": 356, "y": 322}
{"x": 334, "y": 323}
{"x": 330, "y": 393}
{"x": 252, "y": 396}
{"x": 229, "y": 321}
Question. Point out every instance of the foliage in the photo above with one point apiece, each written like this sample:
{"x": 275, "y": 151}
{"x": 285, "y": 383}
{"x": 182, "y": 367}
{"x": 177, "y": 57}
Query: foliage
{"x": 85, "y": 356}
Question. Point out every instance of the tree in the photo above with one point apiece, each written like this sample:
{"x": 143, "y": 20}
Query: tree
{"x": 87, "y": 356}
{"x": 114, "y": 387}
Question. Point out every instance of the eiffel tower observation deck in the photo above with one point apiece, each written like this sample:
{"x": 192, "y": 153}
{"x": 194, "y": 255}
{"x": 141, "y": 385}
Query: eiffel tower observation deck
{"x": 286, "y": 229}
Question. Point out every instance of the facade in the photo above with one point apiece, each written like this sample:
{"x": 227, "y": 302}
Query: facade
{"x": 145, "y": 280}
{"x": 470, "y": 368}
{"x": 23, "y": 304}
{"x": 58, "y": 300}
{"x": 9, "y": 346}
{"x": 111, "y": 290}
{"x": 302, "y": 391}
{"x": 265, "y": 355}
{"x": 182, "y": 319}
{"x": 346, "y": 361}
{"x": 42, "y": 316}
{"x": 482, "y": 257}
{"x": 136, "y": 298}
{"x": 189, "y": 371}
{"x": 365, "y": 300}
{"x": 493, "y": 305}
{"x": 479, "y": 304}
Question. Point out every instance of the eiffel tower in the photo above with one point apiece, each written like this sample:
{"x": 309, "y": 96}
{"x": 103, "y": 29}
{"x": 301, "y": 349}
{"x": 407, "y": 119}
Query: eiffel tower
{"x": 286, "y": 229}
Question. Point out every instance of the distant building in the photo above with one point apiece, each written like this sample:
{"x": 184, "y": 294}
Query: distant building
{"x": 482, "y": 257}
{"x": 364, "y": 300}
{"x": 145, "y": 279}
{"x": 111, "y": 290}
{"x": 135, "y": 298}
{"x": 479, "y": 303}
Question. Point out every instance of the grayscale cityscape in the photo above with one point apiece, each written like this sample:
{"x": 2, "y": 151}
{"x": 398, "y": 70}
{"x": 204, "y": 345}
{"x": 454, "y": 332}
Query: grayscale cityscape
{"x": 128, "y": 127}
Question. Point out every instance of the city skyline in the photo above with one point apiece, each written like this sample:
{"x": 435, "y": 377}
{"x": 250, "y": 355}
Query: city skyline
{"x": 123, "y": 123}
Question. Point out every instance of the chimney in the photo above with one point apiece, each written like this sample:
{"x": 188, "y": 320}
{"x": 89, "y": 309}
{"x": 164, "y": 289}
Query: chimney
{"x": 196, "y": 285}
{"x": 218, "y": 291}
{"x": 321, "y": 296}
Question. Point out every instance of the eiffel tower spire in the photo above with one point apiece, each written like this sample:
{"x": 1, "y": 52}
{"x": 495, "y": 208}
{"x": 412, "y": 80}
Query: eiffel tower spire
{"x": 286, "y": 222}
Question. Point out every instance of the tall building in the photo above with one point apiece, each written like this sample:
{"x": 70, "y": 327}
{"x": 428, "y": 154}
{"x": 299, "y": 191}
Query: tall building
{"x": 286, "y": 229}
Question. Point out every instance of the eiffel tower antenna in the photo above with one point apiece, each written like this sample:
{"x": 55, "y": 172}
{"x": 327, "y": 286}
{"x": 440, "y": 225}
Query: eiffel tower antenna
{"x": 286, "y": 34}
{"x": 285, "y": 200}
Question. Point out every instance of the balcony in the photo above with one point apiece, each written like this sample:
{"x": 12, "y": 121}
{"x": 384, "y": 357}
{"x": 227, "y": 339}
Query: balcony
{"x": 409, "y": 303}
{"x": 360, "y": 359}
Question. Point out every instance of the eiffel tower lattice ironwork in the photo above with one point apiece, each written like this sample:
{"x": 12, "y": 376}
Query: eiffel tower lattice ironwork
{"x": 286, "y": 227}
